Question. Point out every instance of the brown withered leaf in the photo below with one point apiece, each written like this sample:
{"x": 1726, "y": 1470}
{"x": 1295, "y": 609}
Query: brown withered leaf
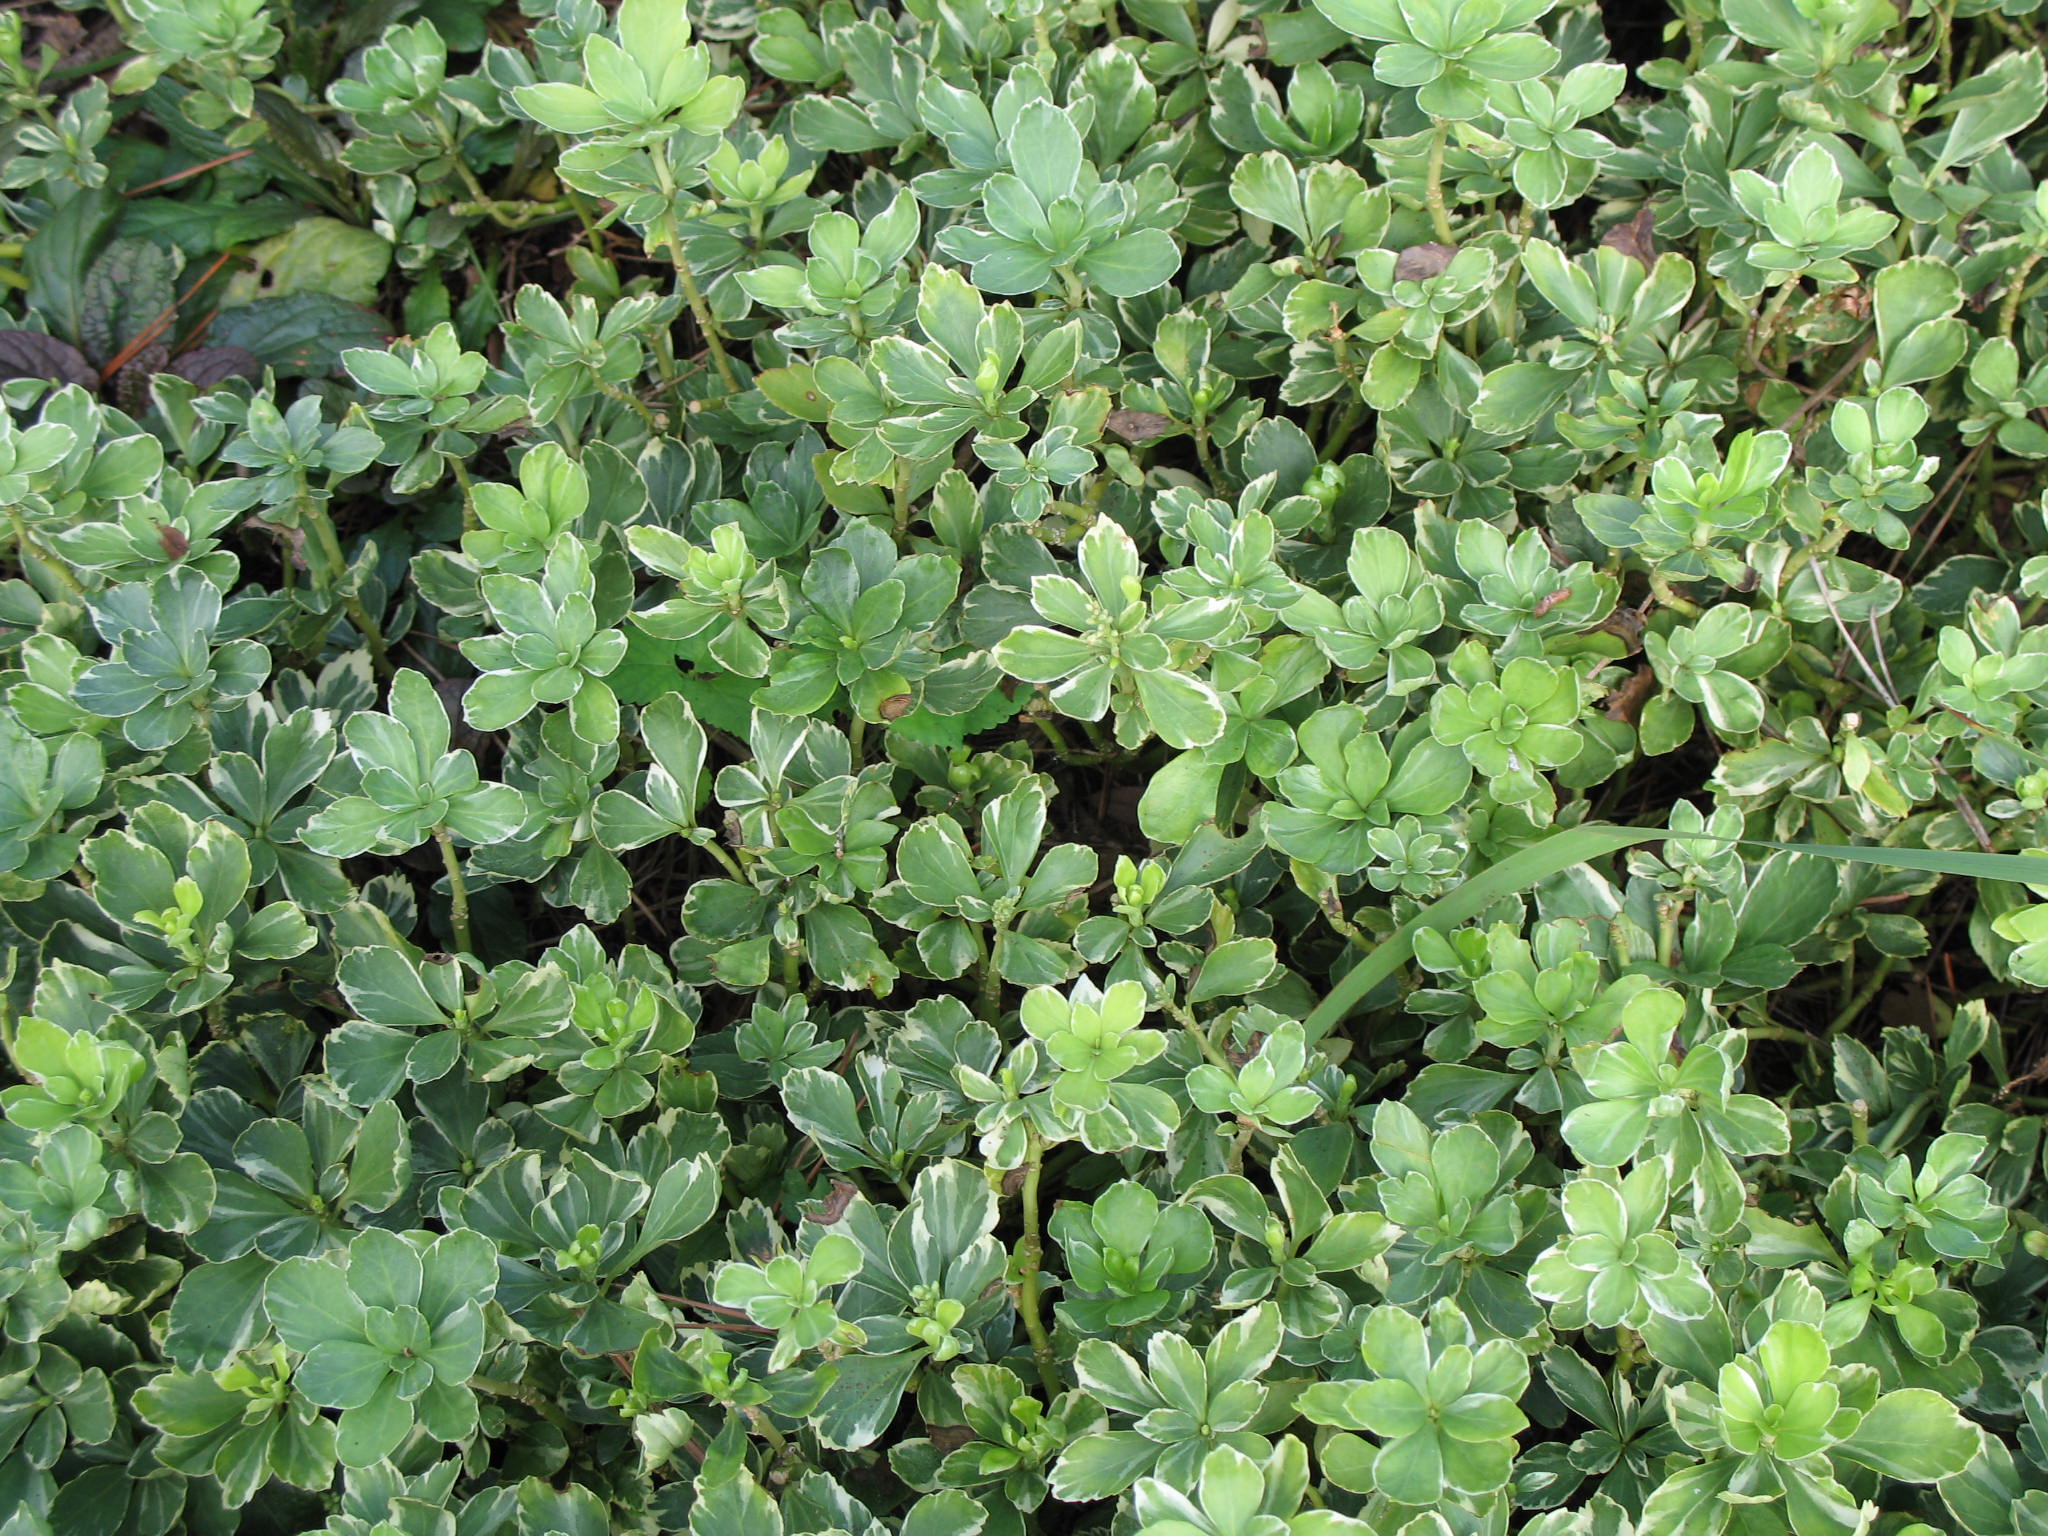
{"x": 1138, "y": 426}
{"x": 32, "y": 355}
{"x": 832, "y": 1209}
{"x": 1626, "y": 702}
{"x": 1626, "y": 624}
{"x": 1636, "y": 237}
{"x": 1419, "y": 263}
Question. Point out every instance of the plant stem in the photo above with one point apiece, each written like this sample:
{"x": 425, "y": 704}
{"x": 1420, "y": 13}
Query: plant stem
{"x": 900, "y": 499}
{"x": 1781, "y": 1032}
{"x": 1904, "y": 1123}
{"x": 1768, "y": 320}
{"x": 470, "y": 522}
{"x": 1347, "y": 423}
{"x": 758, "y": 1422}
{"x": 1862, "y": 997}
{"x": 1051, "y": 732}
{"x": 314, "y": 513}
{"x": 1210, "y": 1052}
{"x": 2015, "y": 290}
{"x": 632, "y": 403}
{"x": 1030, "y": 1256}
{"x": 989, "y": 999}
{"x": 25, "y": 547}
{"x": 1206, "y": 456}
{"x": 458, "y": 891}
{"x": 1233, "y": 1160}
{"x": 672, "y": 235}
{"x": 526, "y": 1395}
{"x": 1433, "y": 190}
{"x": 730, "y": 864}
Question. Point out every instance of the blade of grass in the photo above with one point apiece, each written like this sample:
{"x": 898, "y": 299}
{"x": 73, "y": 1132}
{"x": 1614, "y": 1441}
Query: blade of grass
{"x": 1580, "y": 845}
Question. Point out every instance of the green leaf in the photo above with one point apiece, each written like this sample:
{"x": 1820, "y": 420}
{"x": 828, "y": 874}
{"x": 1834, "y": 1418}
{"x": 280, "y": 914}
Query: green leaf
{"x": 1581, "y": 845}
{"x": 734, "y": 1508}
{"x": 863, "y": 1398}
{"x": 308, "y": 1301}
{"x": 1915, "y": 1435}
{"x": 217, "y": 1311}
{"x": 1236, "y": 970}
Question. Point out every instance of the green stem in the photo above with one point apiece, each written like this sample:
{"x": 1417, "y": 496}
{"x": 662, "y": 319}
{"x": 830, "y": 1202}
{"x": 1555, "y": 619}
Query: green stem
{"x": 1669, "y": 597}
{"x": 458, "y": 891}
{"x": 314, "y": 513}
{"x": 1051, "y": 732}
{"x": 2015, "y": 290}
{"x": 1433, "y": 190}
{"x": 511, "y": 213}
{"x": 758, "y": 1422}
{"x": 1333, "y": 913}
{"x": 672, "y": 235}
{"x": 1777, "y": 1032}
{"x": 1206, "y": 455}
{"x": 1768, "y": 320}
{"x": 989, "y": 997}
{"x": 1904, "y": 1123}
{"x": 1347, "y": 423}
{"x": 1041, "y": 32}
{"x": 1780, "y": 1032}
{"x": 633, "y": 403}
{"x": 1861, "y": 999}
{"x": 470, "y": 522}
{"x": 900, "y": 499}
{"x": 1030, "y": 1256}
{"x": 730, "y": 864}
{"x": 1233, "y": 1160}
{"x": 25, "y": 547}
{"x": 1210, "y": 1053}
{"x": 526, "y": 1395}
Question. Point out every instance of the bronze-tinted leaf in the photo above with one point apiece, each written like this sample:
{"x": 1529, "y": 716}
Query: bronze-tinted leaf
{"x": 1419, "y": 263}
{"x": 210, "y": 367}
{"x": 131, "y": 384}
{"x": 32, "y": 355}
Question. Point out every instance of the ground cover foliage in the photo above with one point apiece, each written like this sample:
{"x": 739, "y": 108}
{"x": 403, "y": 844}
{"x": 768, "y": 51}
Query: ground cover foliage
{"x": 826, "y": 770}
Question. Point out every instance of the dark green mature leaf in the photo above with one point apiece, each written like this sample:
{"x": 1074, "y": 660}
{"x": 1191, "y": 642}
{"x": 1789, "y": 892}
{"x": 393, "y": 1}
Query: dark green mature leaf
{"x": 60, "y": 256}
{"x": 300, "y": 334}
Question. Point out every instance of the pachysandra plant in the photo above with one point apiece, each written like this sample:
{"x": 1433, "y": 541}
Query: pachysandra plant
{"x": 1046, "y": 769}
